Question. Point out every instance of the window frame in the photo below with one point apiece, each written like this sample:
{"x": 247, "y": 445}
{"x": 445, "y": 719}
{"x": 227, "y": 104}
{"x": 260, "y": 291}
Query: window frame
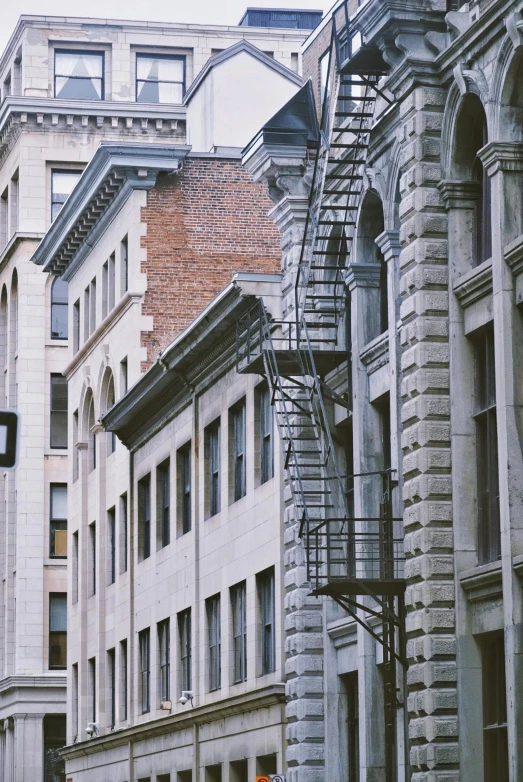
{"x": 164, "y": 660}
{"x": 144, "y": 646}
{"x": 184, "y": 486}
{"x": 111, "y": 533}
{"x": 213, "y": 611}
{"x": 495, "y": 716}
{"x": 56, "y": 520}
{"x": 265, "y": 583}
{"x": 163, "y": 56}
{"x": 67, "y": 171}
{"x": 90, "y": 52}
{"x": 239, "y": 461}
{"x": 184, "y": 639}
{"x": 144, "y": 517}
{"x": 111, "y": 671}
{"x": 163, "y": 503}
{"x": 123, "y": 677}
{"x": 239, "y": 632}
{"x": 54, "y": 633}
{"x": 266, "y": 433}
{"x": 59, "y": 379}
{"x": 213, "y": 447}
{"x": 60, "y": 304}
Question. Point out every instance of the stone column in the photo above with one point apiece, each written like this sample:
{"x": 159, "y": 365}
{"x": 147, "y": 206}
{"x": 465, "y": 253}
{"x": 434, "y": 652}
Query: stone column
{"x": 287, "y": 174}
{"x": 504, "y": 164}
{"x": 29, "y": 742}
{"x": 432, "y": 699}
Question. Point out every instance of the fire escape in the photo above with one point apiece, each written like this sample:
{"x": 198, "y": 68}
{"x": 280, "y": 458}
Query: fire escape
{"x": 357, "y": 561}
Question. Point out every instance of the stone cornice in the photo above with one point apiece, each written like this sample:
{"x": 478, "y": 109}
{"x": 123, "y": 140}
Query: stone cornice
{"x": 15, "y": 240}
{"x": 197, "y": 715}
{"x": 283, "y": 168}
{"x": 513, "y": 253}
{"x": 363, "y": 275}
{"x": 113, "y": 173}
{"x": 289, "y": 211}
{"x": 483, "y": 582}
{"x": 502, "y": 156}
{"x": 21, "y": 682}
{"x": 459, "y": 194}
{"x": 389, "y": 244}
{"x": 475, "y": 284}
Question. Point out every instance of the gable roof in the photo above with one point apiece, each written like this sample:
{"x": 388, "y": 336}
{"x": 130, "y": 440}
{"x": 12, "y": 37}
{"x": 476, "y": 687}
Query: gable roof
{"x": 232, "y": 51}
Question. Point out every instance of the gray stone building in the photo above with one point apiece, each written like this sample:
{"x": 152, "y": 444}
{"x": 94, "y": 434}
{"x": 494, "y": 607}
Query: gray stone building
{"x": 400, "y": 351}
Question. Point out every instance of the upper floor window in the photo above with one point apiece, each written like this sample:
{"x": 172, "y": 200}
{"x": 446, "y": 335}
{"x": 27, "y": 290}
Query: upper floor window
{"x": 239, "y": 446}
{"x": 59, "y": 309}
{"x": 58, "y": 411}
{"x": 160, "y": 78}
{"x": 58, "y": 520}
{"x": 79, "y": 75}
{"x": 57, "y": 630}
{"x": 62, "y": 185}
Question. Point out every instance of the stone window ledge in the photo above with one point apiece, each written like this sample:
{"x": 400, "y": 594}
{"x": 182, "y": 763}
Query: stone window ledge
{"x": 342, "y": 632}
{"x": 376, "y": 353}
{"x": 513, "y": 253}
{"x": 475, "y": 284}
{"x": 483, "y": 582}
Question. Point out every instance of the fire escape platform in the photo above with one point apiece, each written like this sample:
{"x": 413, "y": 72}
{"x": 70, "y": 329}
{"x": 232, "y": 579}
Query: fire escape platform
{"x": 292, "y": 362}
{"x": 356, "y": 586}
{"x": 367, "y": 60}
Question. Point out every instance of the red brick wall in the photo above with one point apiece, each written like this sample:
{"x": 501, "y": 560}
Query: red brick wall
{"x": 203, "y": 224}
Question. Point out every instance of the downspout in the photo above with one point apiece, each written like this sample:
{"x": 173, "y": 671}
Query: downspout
{"x": 196, "y": 500}
{"x": 130, "y": 655}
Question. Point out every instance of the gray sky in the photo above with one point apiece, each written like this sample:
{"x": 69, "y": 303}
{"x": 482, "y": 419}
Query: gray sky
{"x": 199, "y": 11}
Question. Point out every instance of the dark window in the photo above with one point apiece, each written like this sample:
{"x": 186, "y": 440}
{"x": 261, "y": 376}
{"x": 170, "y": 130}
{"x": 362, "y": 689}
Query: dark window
{"x": 58, "y": 411}
{"x": 54, "y": 731}
{"x": 59, "y": 309}
{"x": 62, "y": 185}
{"x": 239, "y": 632}
{"x": 79, "y": 75}
{"x": 265, "y": 584}
{"x": 353, "y": 728}
{"x": 164, "y": 653}
{"x": 111, "y": 437}
{"x": 111, "y": 293}
{"x": 238, "y": 432}
{"x": 489, "y": 537}
{"x": 124, "y": 265}
{"x": 482, "y": 211}
{"x": 144, "y": 518}
{"x": 58, "y": 520}
{"x": 123, "y": 377}
{"x": 160, "y": 78}
{"x": 144, "y": 641}
{"x": 123, "y": 680}
{"x": 111, "y": 532}
{"x": 266, "y": 434}
{"x": 163, "y": 500}
{"x": 91, "y": 436}
{"x": 57, "y": 630}
{"x": 111, "y": 675}
{"x": 384, "y": 293}
{"x": 123, "y": 533}
{"x": 213, "y": 455}
{"x": 214, "y": 625}
{"x": 92, "y": 561}
{"x": 91, "y": 685}
{"x": 75, "y": 567}
{"x": 495, "y": 741}
{"x": 184, "y": 488}
{"x": 184, "y": 632}
{"x": 76, "y": 326}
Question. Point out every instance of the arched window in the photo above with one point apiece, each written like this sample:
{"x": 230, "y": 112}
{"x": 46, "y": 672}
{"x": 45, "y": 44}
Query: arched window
{"x": 109, "y": 402}
{"x": 91, "y": 435}
{"x": 371, "y": 225}
{"x": 13, "y": 340}
{"x": 471, "y": 136}
{"x": 3, "y": 347}
{"x": 59, "y": 309}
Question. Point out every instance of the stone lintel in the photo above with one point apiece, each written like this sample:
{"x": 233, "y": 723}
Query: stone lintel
{"x": 363, "y": 275}
{"x": 459, "y": 194}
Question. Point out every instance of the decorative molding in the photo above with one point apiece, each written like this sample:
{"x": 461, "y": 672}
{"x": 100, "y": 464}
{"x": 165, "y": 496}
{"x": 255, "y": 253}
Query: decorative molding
{"x": 502, "y": 156}
{"x": 475, "y": 284}
{"x": 482, "y": 583}
{"x": 363, "y": 275}
{"x": 16, "y": 239}
{"x": 375, "y": 354}
{"x": 513, "y": 254}
{"x": 467, "y": 77}
{"x": 459, "y": 194}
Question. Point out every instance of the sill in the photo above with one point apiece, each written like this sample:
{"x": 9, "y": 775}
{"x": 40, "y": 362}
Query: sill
{"x": 483, "y": 582}
{"x": 54, "y": 557}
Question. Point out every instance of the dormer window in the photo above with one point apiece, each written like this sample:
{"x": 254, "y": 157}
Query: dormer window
{"x": 79, "y": 75}
{"x": 160, "y": 78}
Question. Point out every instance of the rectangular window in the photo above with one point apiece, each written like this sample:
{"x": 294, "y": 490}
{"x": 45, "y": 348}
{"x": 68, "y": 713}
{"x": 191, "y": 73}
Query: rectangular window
{"x": 353, "y": 726}
{"x": 239, "y": 632}
{"x": 144, "y": 642}
{"x": 79, "y": 75}
{"x": 57, "y": 630}
{"x": 13, "y": 200}
{"x": 75, "y": 567}
{"x": 58, "y": 421}
{"x": 62, "y": 185}
{"x": 123, "y": 681}
{"x": 214, "y": 626}
{"x": 4, "y": 218}
{"x": 184, "y": 633}
{"x": 124, "y": 265}
{"x": 213, "y": 461}
{"x": 111, "y": 685}
{"x": 183, "y": 462}
{"x": 489, "y": 536}
{"x": 239, "y": 443}
{"x": 123, "y": 533}
{"x": 160, "y": 78}
{"x": 495, "y": 739}
{"x": 74, "y": 699}
{"x": 76, "y": 452}
{"x": 92, "y": 304}
{"x": 105, "y": 285}
{"x": 123, "y": 376}
{"x": 164, "y": 664}
{"x": 91, "y": 688}
{"x": 111, "y": 300}
{"x": 265, "y": 585}
{"x": 76, "y": 326}
{"x": 144, "y": 518}
{"x": 111, "y": 534}
{"x": 163, "y": 504}
{"x": 59, "y": 300}
{"x": 87, "y": 311}
{"x": 266, "y": 437}
{"x": 91, "y": 584}
{"x": 58, "y": 520}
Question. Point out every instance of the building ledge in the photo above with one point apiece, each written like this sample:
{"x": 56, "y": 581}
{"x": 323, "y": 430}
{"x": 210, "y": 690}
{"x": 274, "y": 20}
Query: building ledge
{"x": 376, "y": 353}
{"x": 20, "y": 681}
{"x": 261, "y": 698}
{"x": 13, "y": 243}
{"x": 475, "y": 284}
{"x": 513, "y": 253}
{"x": 483, "y": 582}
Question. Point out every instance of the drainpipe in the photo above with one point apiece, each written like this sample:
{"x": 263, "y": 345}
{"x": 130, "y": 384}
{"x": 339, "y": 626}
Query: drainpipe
{"x": 130, "y": 651}
{"x": 196, "y": 624}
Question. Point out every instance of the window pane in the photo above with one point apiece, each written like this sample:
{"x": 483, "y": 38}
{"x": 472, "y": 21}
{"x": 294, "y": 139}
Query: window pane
{"x": 58, "y": 393}
{"x": 62, "y": 185}
{"x": 59, "y": 502}
{"x": 79, "y": 64}
{"x": 58, "y": 539}
{"x": 59, "y": 321}
{"x": 58, "y": 650}
{"x": 80, "y": 89}
{"x": 58, "y": 613}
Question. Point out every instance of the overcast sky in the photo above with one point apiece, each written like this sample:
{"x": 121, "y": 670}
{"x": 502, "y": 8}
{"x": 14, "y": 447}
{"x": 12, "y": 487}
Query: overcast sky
{"x": 200, "y": 11}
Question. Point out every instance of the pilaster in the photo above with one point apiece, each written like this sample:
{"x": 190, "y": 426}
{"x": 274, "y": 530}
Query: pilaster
{"x": 425, "y": 403}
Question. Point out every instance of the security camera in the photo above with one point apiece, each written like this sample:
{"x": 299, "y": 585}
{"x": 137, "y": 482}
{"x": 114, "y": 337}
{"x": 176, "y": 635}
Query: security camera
{"x": 92, "y": 729}
{"x": 187, "y": 695}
